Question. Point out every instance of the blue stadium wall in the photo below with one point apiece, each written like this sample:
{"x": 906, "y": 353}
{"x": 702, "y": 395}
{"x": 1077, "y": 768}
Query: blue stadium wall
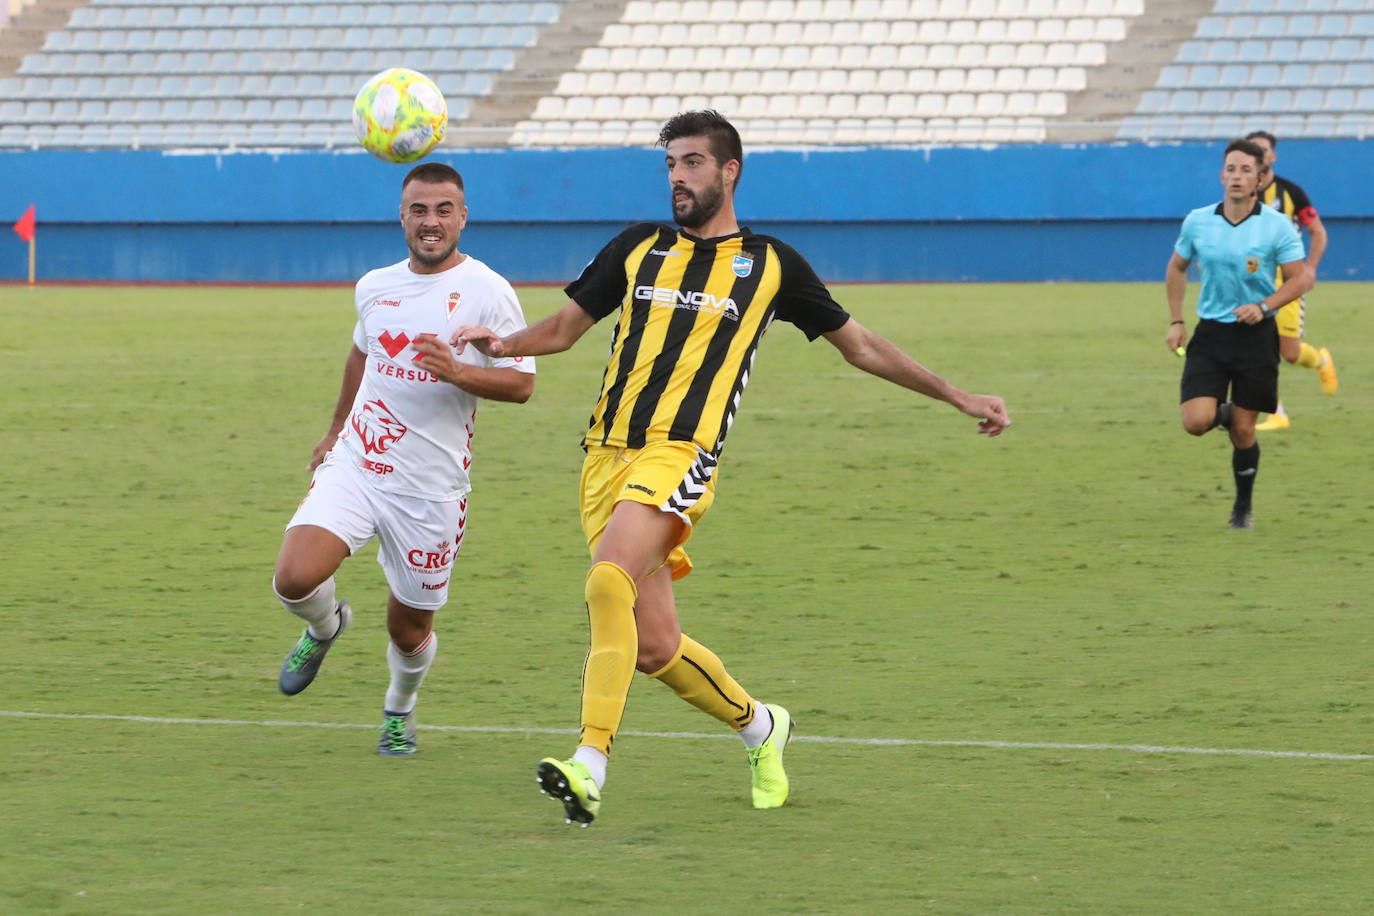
{"x": 1012, "y": 213}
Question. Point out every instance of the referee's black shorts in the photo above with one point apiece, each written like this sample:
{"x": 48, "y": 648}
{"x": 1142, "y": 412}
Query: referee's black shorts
{"x": 1242, "y": 356}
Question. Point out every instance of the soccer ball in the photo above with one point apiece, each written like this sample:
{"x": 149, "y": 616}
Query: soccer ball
{"x": 400, "y": 115}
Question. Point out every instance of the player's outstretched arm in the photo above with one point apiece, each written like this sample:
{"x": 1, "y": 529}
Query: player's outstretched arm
{"x": 494, "y": 384}
{"x": 876, "y": 355}
{"x": 354, "y": 366}
{"x": 554, "y": 334}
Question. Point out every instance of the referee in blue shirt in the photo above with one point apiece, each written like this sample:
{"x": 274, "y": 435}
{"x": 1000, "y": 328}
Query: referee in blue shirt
{"x": 1237, "y": 243}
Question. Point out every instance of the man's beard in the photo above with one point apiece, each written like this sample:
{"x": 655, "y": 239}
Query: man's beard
{"x": 432, "y": 260}
{"x": 700, "y": 208}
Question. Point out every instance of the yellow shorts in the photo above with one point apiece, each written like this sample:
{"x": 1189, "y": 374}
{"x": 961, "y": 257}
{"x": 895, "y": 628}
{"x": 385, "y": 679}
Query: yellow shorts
{"x": 1288, "y": 319}
{"x": 675, "y": 477}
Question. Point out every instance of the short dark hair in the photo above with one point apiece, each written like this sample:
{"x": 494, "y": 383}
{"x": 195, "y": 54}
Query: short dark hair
{"x": 721, "y": 134}
{"x": 1273, "y": 140}
{"x": 434, "y": 173}
{"x": 1248, "y": 147}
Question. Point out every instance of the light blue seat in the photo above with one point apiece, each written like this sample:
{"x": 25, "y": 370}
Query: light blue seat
{"x": 1213, "y": 100}
{"x": 1339, "y": 99}
{"x": 1362, "y": 25}
{"x": 1325, "y": 75}
{"x": 1295, "y": 27}
{"x": 1270, "y": 27}
{"x": 120, "y": 110}
{"x": 1305, "y": 100}
{"x": 1282, "y": 49}
{"x": 1230, "y": 75}
{"x": 1172, "y": 77}
{"x": 190, "y": 16}
{"x": 1335, "y": 26}
{"x": 1360, "y": 73}
{"x": 88, "y": 87}
{"x": 1264, "y": 75}
{"x": 1183, "y": 101}
{"x": 380, "y": 14}
{"x": 1241, "y": 27}
{"x": 1351, "y": 49}
{"x": 1253, "y": 51}
{"x": 1210, "y": 27}
{"x": 175, "y": 109}
{"x": 1314, "y": 50}
{"x": 1364, "y": 99}
{"x": 243, "y": 16}
{"x": 1277, "y": 100}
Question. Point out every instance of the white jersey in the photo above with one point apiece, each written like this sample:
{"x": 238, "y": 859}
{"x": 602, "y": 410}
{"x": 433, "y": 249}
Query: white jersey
{"x": 409, "y": 432}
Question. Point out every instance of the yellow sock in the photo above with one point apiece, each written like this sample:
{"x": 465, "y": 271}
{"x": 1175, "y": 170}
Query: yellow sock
{"x": 1308, "y": 357}
{"x": 610, "y": 663}
{"x": 698, "y": 676}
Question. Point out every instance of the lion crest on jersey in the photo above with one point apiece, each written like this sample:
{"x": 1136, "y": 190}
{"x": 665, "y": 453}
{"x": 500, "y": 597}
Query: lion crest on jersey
{"x": 376, "y": 427}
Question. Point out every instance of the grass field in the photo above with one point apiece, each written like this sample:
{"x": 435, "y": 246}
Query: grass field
{"x": 1032, "y": 675}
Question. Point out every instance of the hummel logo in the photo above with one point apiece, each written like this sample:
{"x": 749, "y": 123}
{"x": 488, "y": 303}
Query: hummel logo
{"x": 1248, "y": 472}
{"x": 664, "y": 253}
{"x": 635, "y": 486}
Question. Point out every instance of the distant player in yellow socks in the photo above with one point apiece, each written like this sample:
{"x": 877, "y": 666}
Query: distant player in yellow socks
{"x": 1290, "y": 200}
{"x": 692, "y": 306}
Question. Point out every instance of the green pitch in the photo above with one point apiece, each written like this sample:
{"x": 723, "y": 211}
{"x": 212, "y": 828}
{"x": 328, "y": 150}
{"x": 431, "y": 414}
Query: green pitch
{"x": 980, "y": 640}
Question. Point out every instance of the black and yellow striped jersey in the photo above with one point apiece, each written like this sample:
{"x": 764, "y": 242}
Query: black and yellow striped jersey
{"x": 692, "y": 314}
{"x": 1290, "y": 200}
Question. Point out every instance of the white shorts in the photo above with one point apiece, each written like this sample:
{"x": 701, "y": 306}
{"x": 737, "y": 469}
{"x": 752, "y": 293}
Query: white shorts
{"x": 418, "y": 538}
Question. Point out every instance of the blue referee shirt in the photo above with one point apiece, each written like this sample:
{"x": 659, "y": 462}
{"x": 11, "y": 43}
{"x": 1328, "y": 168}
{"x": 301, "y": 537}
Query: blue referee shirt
{"x": 1237, "y": 263}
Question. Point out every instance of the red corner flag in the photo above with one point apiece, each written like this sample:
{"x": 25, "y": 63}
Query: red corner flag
{"x": 25, "y": 225}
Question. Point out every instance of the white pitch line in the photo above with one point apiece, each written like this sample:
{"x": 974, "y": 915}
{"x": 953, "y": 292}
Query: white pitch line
{"x": 812, "y": 739}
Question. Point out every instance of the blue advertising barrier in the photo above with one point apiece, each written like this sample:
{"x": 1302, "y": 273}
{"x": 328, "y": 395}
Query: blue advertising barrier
{"x": 1011, "y": 213}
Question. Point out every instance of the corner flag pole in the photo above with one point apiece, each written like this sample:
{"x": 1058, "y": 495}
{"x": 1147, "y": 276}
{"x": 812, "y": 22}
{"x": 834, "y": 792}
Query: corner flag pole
{"x": 25, "y": 228}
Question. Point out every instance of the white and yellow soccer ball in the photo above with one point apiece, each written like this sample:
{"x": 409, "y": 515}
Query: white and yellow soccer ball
{"x": 400, "y": 115}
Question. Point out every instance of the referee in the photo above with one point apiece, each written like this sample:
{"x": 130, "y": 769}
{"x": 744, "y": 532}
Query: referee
{"x": 1239, "y": 245}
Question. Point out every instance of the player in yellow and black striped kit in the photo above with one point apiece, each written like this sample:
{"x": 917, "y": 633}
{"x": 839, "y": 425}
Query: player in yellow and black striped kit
{"x": 1292, "y": 201}
{"x": 693, "y": 306}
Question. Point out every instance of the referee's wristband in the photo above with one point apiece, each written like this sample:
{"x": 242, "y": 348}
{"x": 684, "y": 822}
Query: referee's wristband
{"x": 1177, "y": 321}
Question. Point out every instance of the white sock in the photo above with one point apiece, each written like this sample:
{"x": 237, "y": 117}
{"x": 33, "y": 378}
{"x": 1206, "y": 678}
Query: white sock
{"x": 595, "y": 762}
{"x": 316, "y": 609}
{"x": 1278, "y": 411}
{"x": 408, "y": 673}
{"x": 758, "y": 730}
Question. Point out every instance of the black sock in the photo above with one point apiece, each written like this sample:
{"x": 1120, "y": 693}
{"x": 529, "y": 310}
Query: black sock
{"x": 1223, "y": 417}
{"x": 1245, "y": 467}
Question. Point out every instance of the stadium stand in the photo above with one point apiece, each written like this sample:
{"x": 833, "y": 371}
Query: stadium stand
{"x": 1300, "y": 67}
{"x": 256, "y": 73}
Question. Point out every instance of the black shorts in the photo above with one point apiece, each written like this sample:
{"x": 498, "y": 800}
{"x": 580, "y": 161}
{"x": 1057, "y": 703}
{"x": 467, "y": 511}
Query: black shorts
{"x": 1244, "y": 357}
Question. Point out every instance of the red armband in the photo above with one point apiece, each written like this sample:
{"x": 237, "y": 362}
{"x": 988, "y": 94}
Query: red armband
{"x": 1306, "y": 215}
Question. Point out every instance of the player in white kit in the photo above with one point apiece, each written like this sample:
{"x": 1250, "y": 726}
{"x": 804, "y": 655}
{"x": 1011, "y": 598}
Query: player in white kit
{"x": 395, "y": 461}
